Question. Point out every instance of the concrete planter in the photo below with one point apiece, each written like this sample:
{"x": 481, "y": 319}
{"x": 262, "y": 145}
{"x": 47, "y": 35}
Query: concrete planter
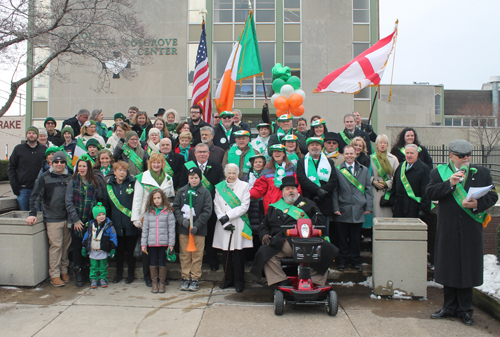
{"x": 8, "y": 204}
{"x": 487, "y": 303}
{"x": 24, "y": 250}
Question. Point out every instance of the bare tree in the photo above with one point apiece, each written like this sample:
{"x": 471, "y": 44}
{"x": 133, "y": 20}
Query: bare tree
{"x": 59, "y": 32}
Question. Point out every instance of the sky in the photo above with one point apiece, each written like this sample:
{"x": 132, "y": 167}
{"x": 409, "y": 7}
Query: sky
{"x": 449, "y": 42}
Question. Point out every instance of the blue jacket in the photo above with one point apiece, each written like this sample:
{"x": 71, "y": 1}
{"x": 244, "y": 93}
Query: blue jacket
{"x": 109, "y": 240}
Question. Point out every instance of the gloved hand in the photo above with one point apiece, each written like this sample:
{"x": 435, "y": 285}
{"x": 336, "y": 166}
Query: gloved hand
{"x": 369, "y": 129}
{"x": 224, "y": 219}
{"x": 266, "y": 239}
{"x": 321, "y": 193}
{"x": 112, "y": 253}
{"x": 123, "y": 140}
{"x": 84, "y": 252}
{"x": 229, "y": 227}
{"x": 138, "y": 224}
{"x": 185, "y": 223}
{"x": 194, "y": 230}
{"x": 422, "y": 214}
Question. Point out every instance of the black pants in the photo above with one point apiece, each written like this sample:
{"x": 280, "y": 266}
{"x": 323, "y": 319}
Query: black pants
{"x": 212, "y": 258}
{"x": 158, "y": 256}
{"x": 334, "y": 232}
{"x": 76, "y": 242}
{"x": 457, "y": 301}
{"x": 250, "y": 252}
{"x": 235, "y": 271}
{"x": 126, "y": 244}
{"x": 349, "y": 237}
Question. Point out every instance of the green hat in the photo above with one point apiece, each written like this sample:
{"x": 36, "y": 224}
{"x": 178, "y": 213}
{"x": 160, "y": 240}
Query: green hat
{"x": 289, "y": 138}
{"x": 34, "y": 129}
{"x": 226, "y": 113}
{"x": 284, "y": 118}
{"x": 98, "y": 209}
{"x": 69, "y": 129}
{"x": 89, "y": 123}
{"x": 92, "y": 141}
{"x": 263, "y": 125}
{"x": 119, "y": 115}
{"x": 314, "y": 139}
{"x": 252, "y": 158}
{"x": 318, "y": 122}
{"x": 52, "y": 149}
{"x": 130, "y": 134}
{"x": 277, "y": 147}
{"x": 241, "y": 133}
{"x": 49, "y": 119}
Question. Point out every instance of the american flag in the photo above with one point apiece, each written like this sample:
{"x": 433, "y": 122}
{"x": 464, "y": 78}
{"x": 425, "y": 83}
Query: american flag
{"x": 201, "y": 85}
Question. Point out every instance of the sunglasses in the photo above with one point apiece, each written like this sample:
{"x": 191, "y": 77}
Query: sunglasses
{"x": 59, "y": 162}
{"x": 216, "y": 117}
{"x": 50, "y": 123}
{"x": 462, "y": 156}
{"x": 226, "y": 117}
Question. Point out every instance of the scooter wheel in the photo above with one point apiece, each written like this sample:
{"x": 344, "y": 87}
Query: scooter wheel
{"x": 279, "y": 302}
{"x": 332, "y": 305}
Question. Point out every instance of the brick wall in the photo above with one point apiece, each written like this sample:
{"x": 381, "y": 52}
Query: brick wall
{"x": 489, "y": 236}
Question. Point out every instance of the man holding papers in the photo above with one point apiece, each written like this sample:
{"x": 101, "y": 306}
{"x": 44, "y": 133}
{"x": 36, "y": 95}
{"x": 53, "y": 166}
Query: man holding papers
{"x": 459, "y": 236}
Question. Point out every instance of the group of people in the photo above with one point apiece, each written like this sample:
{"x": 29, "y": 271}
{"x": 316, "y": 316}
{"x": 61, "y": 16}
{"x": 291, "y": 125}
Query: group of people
{"x": 189, "y": 187}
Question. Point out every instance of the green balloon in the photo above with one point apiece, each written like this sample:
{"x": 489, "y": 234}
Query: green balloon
{"x": 294, "y": 81}
{"x": 277, "y": 84}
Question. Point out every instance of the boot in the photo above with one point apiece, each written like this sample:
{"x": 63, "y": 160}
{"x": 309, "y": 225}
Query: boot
{"x": 78, "y": 276}
{"x": 163, "y": 278}
{"x": 154, "y": 279}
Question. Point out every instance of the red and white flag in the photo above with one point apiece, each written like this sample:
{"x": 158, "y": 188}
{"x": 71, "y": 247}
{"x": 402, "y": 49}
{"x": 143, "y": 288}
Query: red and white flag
{"x": 201, "y": 80}
{"x": 364, "y": 70}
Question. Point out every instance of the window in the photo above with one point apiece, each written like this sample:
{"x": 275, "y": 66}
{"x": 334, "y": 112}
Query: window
{"x": 359, "y": 47}
{"x": 291, "y": 11}
{"x": 291, "y": 57}
{"x": 361, "y": 11}
{"x": 437, "y": 99}
{"x": 194, "y": 10}
{"x": 224, "y": 10}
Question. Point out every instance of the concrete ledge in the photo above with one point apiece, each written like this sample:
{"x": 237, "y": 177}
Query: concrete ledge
{"x": 487, "y": 303}
{"x": 8, "y": 204}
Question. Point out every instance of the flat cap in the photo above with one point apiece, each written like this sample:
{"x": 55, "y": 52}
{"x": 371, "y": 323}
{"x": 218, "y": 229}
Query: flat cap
{"x": 461, "y": 146}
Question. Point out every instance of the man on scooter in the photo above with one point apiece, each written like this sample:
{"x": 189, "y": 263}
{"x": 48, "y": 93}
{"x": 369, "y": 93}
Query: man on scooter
{"x": 274, "y": 242}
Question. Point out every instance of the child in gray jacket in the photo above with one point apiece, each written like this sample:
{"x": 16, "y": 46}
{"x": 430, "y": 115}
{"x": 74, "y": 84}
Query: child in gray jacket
{"x": 158, "y": 233}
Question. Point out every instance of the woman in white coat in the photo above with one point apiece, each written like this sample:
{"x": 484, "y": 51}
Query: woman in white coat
{"x": 384, "y": 164}
{"x": 146, "y": 182}
{"x": 232, "y": 230}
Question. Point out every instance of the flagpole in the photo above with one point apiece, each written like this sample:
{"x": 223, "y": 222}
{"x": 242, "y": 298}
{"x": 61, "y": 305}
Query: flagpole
{"x": 373, "y": 105}
{"x": 393, "y": 61}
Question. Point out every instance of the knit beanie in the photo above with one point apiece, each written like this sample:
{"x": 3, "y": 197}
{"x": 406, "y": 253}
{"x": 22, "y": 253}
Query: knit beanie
{"x": 49, "y": 119}
{"x": 154, "y": 130}
{"x": 98, "y": 209}
{"x": 195, "y": 170}
{"x": 52, "y": 149}
{"x": 92, "y": 141}
{"x": 69, "y": 129}
{"x": 119, "y": 115}
{"x": 34, "y": 129}
{"x": 130, "y": 134}
{"x": 60, "y": 155}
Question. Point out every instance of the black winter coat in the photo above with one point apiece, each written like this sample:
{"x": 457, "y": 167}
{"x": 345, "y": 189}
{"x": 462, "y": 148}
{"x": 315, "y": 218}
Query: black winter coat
{"x": 357, "y": 133}
{"x": 50, "y": 187}
{"x": 422, "y": 155}
{"x": 364, "y": 160}
{"x": 255, "y": 211}
{"x": 176, "y": 162}
{"x": 272, "y": 225}
{"x": 139, "y": 130}
{"x": 122, "y": 223}
{"x": 418, "y": 177}
{"x": 219, "y": 135}
{"x": 56, "y": 138}
{"x": 25, "y": 163}
{"x": 216, "y": 154}
{"x": 459, "y": 238}
{"x": 74, "y": 123}
{"x": 273, "y": 140}
{"x": 214, "y": 174}
{"x": 195, "y": 131}
{"x": 310, "y": 189}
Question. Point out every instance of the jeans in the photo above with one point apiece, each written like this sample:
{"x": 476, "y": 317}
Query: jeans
{"x": 23, "y": 199}
{"x": 158, "y": 256}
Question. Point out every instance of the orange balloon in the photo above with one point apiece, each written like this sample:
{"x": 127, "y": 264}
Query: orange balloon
{"x": 296, "y": 100}
{"x": 281, "y": 112}
{"x": 281, "y": 103}
{"x": 299, "y": 111}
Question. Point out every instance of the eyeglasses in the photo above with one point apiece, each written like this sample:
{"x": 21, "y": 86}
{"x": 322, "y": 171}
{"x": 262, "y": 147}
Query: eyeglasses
{"x": 216, "y": 117}
{"x": 462, "y": 156}
{"x": 195, "y": 112}
{"x": 226, "y": 117}
{"x": 59, "y": 162}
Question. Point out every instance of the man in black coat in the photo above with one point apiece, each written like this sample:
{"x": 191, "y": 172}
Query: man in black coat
{"x": 459, "y": 237}
{"x": 224, "y": 134}
{"x": 352, "y": 131}
{"x": 214, "y": 174}
{"x": 411, "y": 201}
{"x": 364, "y": 127}
{"x": 53, "y": 135}
{"x": 275, "y": 247}
{"x": 238, "y": 120}
{"x": 196, "y": 123}
{"x": 285, "y": 123}
{"x": 174, "y": 160}
{"x": 207, "y": 137}
{"x": 318, "y": 178}
{"x": 77, "y": 121}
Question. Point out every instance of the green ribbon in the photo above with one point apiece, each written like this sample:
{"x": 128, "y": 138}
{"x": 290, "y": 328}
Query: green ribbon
{"x": 381, "y": 173}
{"x": 204, "y": 180}
{"x": 233, "y": 201}
{"x": 115, "y": 201}
{"x": 168, "y": 169}
{"x": 235, "y": 158}
{"x": 346, "y": 139}
{"x": 133, "y": 157}
{"x": 290, "y": 210}
{"x": 352, "y": 179}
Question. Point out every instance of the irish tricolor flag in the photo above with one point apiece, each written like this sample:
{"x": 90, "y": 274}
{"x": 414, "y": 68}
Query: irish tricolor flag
{"x": 80, "y": 149}
{"x": 243, "y": 63}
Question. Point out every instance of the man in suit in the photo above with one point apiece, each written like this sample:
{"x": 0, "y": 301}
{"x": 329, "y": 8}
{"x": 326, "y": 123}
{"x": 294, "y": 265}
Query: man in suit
{"x": 350, "y": 131}
{"x": 285, "y": 123}
{"x": 77, "y": 121}
{"x": 175, "y": 161}
{"x": 224, "y": 133}
{"x": 207, "y": 136}
{"x": 212, "y": 174}
{"x": 352, "y": 199}
{"x": 410, "y": 180}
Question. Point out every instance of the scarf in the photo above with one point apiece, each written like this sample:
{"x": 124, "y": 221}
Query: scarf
{"x": 293, "y": 158}
{"x": 384, "y": 162}
{"x": 316, "y": 174}
{"x": 333, "y": 154}
{"x": 261, "y": 144}
{"x": 227, "y": 132}
{"x": 84, "y": 198}
{"x": 171, "y": 127}
{"x": 234, "y": 157}
{"x": 279, "y": 174}
{"x": 152, "y": 147}
{"x": 280, "y": 133}
{"x": 184, "y": 151}
{"x": 105, "y": 171}
{"x": 191, "y": 195}
{"x": 158, "y": 178}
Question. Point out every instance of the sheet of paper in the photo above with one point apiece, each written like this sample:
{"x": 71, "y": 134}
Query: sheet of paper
{"x": 478, "y": 192}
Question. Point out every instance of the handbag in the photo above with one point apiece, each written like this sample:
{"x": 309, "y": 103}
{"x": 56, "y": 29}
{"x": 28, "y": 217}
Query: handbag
{"x": 138, "y": 248}
{"x": 384, "y": 202}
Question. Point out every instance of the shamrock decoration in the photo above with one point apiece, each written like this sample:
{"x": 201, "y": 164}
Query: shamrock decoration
{"x": 323, "y": 171}
{"x": 302, "y": 203}
{"x": 84, "y": 157}
{"x": 473, "y": 170}
{"x": 129, "y": 189}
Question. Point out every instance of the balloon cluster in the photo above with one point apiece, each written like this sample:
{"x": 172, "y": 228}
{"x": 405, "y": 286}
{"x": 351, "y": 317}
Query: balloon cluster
{"x": 288, "y": 97}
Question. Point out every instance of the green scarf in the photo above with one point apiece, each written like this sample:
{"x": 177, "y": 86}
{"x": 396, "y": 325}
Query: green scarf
{"x": 384, "y": 162}
{"x": 234, "y": 157}
{"x": 293, "y": 158}
{"x": 158, "y": 178}
{"x": 280, "y": 133}
{"x": 84, "y": 198}
{"x": 105, "y": 171}
{"x": 279, "y": 174}
{"x": 158, "y": 210}
{"x": 227, "y": 132}
{"x": 190, "y": 198}
{"x": 172, "y": 127}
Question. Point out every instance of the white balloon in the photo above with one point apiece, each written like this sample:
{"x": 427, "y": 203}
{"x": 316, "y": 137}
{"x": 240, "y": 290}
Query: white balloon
{"x": 301, "y": 93}
{"x": 286, "y": 91}
{"x": 273, "y": 97}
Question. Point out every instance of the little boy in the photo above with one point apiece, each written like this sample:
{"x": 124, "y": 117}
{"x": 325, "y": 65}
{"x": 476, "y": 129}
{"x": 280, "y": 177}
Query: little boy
{"x": 199, "y": 198}
{"x": 100, "y": 239}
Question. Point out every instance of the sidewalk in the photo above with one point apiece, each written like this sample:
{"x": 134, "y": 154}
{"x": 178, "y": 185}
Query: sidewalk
{"x": 131, "y": 310}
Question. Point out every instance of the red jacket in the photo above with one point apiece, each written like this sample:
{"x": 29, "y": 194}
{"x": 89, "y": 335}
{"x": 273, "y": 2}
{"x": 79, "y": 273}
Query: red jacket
{"x": 264, "y": 186}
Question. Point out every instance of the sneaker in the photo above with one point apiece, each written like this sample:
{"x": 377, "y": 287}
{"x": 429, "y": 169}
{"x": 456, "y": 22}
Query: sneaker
{"x": 57, "y": 282}
{"x": 194, "y": 286}
{"x": 103, "y": 283}
{"x": 93, "y": 284}
{"x": 65, "y": 277}
{"x": 185, "y": 285}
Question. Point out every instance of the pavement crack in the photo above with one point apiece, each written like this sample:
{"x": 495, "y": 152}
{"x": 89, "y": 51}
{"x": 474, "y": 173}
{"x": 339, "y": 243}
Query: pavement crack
{"x": 350, "y": 320}
{"x": 203, "y": 314}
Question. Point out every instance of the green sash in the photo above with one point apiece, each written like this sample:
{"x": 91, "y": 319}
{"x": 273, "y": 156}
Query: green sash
{"x": 133, "y": 157}
{"x": 407, "y": 186}
{"x": 204, "y": 180}
{"x": 148, "y": 188}
{"x": 352, "y": 179}
{"x": 290, "y": 210}
{"x": 233, "y": 201}
{"x": 459, "y": 195}
{"x": 381, "y": 173}
{"x": 346, "y": 139}
{"x": 168, "y": 169}
{"x": 115, "y": 201}
{"x": 234, "y": 158}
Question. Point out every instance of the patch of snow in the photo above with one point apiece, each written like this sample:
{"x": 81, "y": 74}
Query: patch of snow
{"x": 423, "y": 299}
{"x": 375, "y": 297}
{"x": 10, "y": 288}
{"x": 44, "y": 296}
{"x": 367, "y": 283}
{"x": 433, "y": 284}
{"x": 346, "y": 284}
{"x": 37, "y": 289}
{"x": 491, "y": 276}
{"x": 401, "y": 295}
{"x": 364, "y": 264}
